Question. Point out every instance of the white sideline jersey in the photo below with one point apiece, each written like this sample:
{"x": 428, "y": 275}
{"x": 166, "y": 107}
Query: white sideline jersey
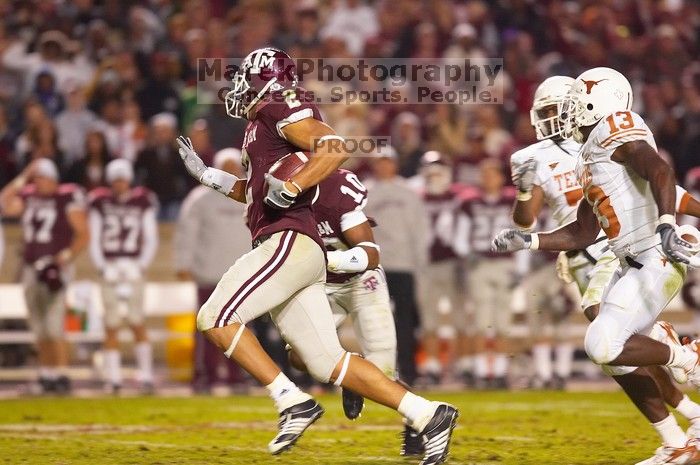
{"x": 555, "y": 173}
{"x": 621, "y": 199}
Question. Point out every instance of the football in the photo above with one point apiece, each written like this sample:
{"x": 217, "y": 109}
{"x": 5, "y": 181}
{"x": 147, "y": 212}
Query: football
{"x": 288, "y": 166}
{"x": 691, "y": 235}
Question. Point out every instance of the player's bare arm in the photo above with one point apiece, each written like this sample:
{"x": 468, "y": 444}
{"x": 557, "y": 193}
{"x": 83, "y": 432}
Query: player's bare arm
{"x": 77, "y": 218}
{"x": 11, "y": 204}
{"x": 525, "y": 212}
{"x": 364, "y": 254}
{"x": 575, "y": 235}
{"x": 315, "y": 136}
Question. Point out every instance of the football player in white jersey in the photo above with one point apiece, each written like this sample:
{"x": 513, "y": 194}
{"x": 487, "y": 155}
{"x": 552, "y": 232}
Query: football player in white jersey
{"x": 630, "y": 193}
{"x": 544, "y": 173}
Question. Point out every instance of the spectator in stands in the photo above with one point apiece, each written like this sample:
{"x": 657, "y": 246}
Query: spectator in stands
{"x": 89, "y": 171}
{"x": 158, "y": 94}
{"x": 159, "y": 167}
{"x": 402, "y": 231}
{"x": 211, "y": 231}
{"x": 46, "y": 93}
{"x": 354, "y": 22}
{"x": 406, "y": 137}
{"x": 73, "y": 124}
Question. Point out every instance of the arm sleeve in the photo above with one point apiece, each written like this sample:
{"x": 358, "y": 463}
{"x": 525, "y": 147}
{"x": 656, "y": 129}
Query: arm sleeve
{"x": 150, "y": 238}
{"x": 186, "y": 232}
{"x": 95, "y": 223}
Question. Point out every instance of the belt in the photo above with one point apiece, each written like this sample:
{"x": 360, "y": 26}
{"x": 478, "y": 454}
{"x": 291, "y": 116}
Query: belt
{"x": 261, "y": 239}
{"x": 633, "y": 263}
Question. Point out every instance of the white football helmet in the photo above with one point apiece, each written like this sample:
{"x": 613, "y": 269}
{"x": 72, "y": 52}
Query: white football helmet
{"x": 595, "y": 94}
{"x": 549, "y": 97}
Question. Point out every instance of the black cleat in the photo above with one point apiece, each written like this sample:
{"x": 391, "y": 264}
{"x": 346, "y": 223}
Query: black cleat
{"x": 352, "y": 404}
{"x": 411, "y": 442}
{"x": 437, "y": 434}
{"x": 292, "y": 424}
{"x": 63, "y": 385}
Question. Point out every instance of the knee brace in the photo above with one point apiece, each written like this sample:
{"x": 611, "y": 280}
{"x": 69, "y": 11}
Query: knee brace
{"x": 602, "y": 341}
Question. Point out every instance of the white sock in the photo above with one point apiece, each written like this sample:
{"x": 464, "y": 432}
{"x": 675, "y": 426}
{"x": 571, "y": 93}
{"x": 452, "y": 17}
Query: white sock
{"x": 431, "y": 366}
{"x": 464, "y": 364}
{"x": 500, "y": 365}
{"x": 285, "y": 393}
{"x": 682, "y": 357}
{"x": 564, "y": 357}
{"x": 113, "y": 366}
{"x": 144, "y": 362}
{"x": 417, "y": 410}
{"x": 542, "y": 358}
{"x": 671, "y": 434}
{"x": 689, "y": 409}
{"x": 481, "y": 366}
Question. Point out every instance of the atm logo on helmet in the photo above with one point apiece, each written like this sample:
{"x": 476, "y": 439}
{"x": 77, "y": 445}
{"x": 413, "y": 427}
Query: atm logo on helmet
{"x": 590, "y": 84}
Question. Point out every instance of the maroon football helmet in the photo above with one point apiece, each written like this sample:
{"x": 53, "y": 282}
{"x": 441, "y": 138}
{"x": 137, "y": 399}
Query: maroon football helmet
{"x": 263, "y": 71}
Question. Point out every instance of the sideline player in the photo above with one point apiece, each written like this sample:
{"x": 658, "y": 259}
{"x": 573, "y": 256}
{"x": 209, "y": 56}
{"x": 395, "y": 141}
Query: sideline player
{"x": 440, "y": 278}
{"x": 285, "y": 272}
{"x": 630, "y": 194}
{"x": 123, "y": 242}
{"x": 54, "y": 226}
{"x": 490, "y": 276}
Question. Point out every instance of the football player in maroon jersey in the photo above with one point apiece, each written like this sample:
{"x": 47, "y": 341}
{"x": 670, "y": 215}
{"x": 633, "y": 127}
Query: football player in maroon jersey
{"x": 123, "y": 242}
{"x": 286, "y": 271}
{"x": 439, "y": 278}
{"x": 54, "y": 225}
{"x": 488, "y": 278}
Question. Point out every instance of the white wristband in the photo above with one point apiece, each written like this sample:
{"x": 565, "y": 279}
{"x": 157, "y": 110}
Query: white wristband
{"x": 348, "y": 261}
{"x": 667, "y": 218}
{"x": 219, "y": 180}
{"x": 534, "y": 241}
{"x": 523, "y": 196}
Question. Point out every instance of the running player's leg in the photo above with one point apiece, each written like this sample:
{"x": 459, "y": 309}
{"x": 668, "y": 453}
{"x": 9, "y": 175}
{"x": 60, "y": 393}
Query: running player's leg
{"x": 374, "y": 322}
{"x": 306, "y": 323}
{"x": 539, "y": 303}
{"x": 628, "y": 310}
{"x": 432, "y": 287}
{"x": 258, "y": 282}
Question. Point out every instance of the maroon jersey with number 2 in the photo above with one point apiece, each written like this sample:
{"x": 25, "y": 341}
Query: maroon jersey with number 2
{"x": 45, "y": 223}
{"x": 338, "y": 208}
{"x": 263, "y": 145}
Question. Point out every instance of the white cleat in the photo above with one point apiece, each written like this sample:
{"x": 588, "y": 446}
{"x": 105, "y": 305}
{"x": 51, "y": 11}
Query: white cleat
{"x": 664, "y": 332}
{"x": 687, "y": 455}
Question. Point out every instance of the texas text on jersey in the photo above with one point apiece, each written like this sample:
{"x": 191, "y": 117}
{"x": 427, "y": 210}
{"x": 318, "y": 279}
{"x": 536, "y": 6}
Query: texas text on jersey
{"x": 47, "y": 230}
{"x": 338, "y": 208}
{"x": 122, "y": 219}
{"x": 263, "y": 144}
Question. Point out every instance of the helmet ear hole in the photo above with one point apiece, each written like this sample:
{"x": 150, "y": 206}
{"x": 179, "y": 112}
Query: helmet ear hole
{"x": 589, "y": 106}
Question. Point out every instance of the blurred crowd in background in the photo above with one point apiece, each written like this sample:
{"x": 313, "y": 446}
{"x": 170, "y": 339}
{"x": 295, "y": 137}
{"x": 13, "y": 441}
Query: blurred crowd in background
{"x": 84, "y": 82}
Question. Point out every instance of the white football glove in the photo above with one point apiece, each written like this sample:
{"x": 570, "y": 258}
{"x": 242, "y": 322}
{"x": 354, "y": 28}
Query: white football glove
{"x": 676, "y": 249}
{"x": 278, "y": 196}
{"x": 563, "y": 268}
{"x": 511, "y": 240}
{"x": 523, "y": 177}
{"x": 195, "y": 166}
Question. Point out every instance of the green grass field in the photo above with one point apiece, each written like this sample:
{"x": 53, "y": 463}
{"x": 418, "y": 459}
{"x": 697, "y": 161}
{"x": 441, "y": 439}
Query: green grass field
{"x": 495, "y": 428}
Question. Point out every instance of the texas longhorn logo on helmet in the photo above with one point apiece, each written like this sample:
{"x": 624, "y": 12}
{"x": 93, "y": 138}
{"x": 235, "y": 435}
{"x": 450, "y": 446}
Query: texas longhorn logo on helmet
{"x": 590, "y": 84}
